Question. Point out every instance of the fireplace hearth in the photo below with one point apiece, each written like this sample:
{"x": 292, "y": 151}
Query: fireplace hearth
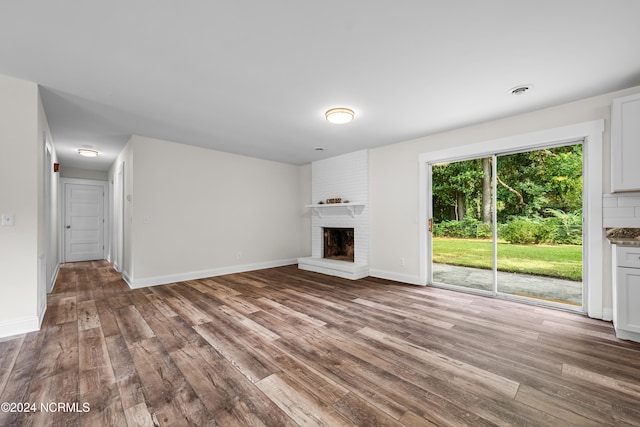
{"x": 338, "y": 244}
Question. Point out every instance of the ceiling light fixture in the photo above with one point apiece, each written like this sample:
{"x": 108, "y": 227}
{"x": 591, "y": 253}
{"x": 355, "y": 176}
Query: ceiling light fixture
{"x": 87, "y": 152}
{"x": 339, "y": 115}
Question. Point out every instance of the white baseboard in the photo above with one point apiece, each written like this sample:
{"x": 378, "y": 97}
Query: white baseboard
{"x": 628, "y": 335}
{"x": 127, "y": 278}
{"x": 41, "y": 317}
{"x": 201, "y": 274}
{"x": 396, "y": 277}
{"x": 19, "y": 326}
{"x": 52, "y": 281}
{"x": 607, "y": 314}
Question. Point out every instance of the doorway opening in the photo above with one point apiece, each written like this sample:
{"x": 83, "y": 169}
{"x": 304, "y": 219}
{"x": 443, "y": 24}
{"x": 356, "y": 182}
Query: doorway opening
{"x": 590, "y": 133}
{"x": 510, "y": 224}
{"x": 84, "y": 219}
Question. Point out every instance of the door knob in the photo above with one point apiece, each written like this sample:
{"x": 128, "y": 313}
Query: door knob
{"x": 68, "y": 226}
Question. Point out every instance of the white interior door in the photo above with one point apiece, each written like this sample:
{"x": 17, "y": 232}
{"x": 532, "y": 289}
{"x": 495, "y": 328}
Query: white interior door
{"x": 84, "y": 222}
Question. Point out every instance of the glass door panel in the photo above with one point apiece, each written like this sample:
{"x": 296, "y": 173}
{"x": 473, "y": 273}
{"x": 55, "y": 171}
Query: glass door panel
{"x": 462, "y": 247}
{"x": 539, "y": 216}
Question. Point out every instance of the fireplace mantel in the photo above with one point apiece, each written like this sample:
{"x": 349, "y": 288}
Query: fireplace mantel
{"x": 353, "y": 208}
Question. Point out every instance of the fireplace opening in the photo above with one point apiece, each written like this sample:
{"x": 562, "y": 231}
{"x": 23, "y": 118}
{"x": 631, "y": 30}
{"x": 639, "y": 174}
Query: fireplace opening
{"x": 338, "y": 244}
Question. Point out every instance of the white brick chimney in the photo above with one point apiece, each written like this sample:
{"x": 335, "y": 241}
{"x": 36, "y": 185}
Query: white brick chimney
{"x": 346, "y": 177}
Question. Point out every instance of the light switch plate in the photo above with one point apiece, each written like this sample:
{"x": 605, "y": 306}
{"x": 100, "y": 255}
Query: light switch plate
{"x": 7, "y": 219}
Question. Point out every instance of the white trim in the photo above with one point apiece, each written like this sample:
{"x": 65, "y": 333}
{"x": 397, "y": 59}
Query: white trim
{"x": 52, "y": 280}
{"x": 127, "y": 278}
{"x": 628, "y": 335}
{"x": 105, "y": 208}
{"x": 331, "y": 267}
{"x": 41, "y": 317}
{"x": 201, "y": 274}
{"x": 589, "y": 132}
{"x": 396, "y": 277}
{"x": 117, "y": 234}
{"x": 19, "y": 326}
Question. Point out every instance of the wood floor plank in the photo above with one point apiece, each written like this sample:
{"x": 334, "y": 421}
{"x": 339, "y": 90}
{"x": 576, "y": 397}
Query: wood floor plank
{"x": 286, "y": 347}
{"x": 9, "y": 349}
{"x": 621, "y": 386}
{"x": 423, "y": 319}
{"x": 106, "y": 408}
{"x": 66, "y": 310}
{"x": 537, "y": 399}
{"x": 188, "y": 311}
{"x": 302, "y": 408}
{"x": 132, "y": 325}
{"x": 499, "y": 384}
{"x": 88, "y": 317}
{"x": 139, "y": 415}
{"x": 92, "y": 349}
{"x": 252, "y": 366}
{"x": 49, "y": 391}
{"x": 288, "y": 313}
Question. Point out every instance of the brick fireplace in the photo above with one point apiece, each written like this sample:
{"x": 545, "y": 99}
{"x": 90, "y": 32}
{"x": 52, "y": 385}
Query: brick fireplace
{"x": 345, "y": 177}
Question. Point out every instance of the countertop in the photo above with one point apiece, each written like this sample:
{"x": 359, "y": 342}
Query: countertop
{"x": 624, "y": 236}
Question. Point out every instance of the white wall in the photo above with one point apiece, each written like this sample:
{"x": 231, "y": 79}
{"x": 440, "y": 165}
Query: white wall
{"x": 19, "y": 145}
{"x": 198, "y": 212}
{"x": 48, "y": 239}
{"x": 304, "y": 194}
{"x": 394, "y": 178}
{"x": 67, "y": 172}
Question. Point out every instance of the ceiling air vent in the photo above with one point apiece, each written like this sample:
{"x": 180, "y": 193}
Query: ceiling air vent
{"x": 519, "y": 90}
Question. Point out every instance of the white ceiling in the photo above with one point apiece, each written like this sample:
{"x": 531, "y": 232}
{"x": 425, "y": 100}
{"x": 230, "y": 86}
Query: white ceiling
{"x": 254, "y": 77}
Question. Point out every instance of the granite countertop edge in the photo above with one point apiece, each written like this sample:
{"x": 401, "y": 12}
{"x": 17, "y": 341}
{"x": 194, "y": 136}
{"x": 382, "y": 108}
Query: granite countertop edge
{"x": 625, "y": 242}
{"x": 624, "y": 236}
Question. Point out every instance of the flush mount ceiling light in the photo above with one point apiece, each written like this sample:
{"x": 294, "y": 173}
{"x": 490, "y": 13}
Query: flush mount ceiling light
{"x": 519, "y": 90}
{"x": 86, "y": 152}
{"x": 339, "y": 115}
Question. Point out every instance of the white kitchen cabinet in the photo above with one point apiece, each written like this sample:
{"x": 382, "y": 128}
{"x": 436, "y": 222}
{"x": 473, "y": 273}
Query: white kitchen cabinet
{"x": 626, "y": 292}
{"x": 625, "y": 144}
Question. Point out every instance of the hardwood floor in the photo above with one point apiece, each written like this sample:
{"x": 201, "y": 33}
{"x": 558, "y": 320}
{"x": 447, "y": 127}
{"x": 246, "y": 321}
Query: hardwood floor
{"x": 285, "y": 347}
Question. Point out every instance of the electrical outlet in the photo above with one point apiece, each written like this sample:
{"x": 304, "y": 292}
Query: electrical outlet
{"x": 239, "y": 255}
{"x": 402, "y": 261}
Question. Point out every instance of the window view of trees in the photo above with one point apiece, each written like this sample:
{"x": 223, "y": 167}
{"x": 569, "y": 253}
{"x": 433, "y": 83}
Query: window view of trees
{"x": 539, "y": 197}
{"x": 538, "y": 212}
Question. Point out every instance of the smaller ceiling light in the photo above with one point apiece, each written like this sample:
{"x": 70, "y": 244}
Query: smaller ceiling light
{"x": 86, "y": 152}
{"x": 339, "y": 115}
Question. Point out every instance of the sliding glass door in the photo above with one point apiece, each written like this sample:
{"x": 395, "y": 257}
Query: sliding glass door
{"x": 511, "y": 224}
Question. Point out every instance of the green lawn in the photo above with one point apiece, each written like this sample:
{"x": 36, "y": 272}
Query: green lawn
{"x": 562, "y": 261}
